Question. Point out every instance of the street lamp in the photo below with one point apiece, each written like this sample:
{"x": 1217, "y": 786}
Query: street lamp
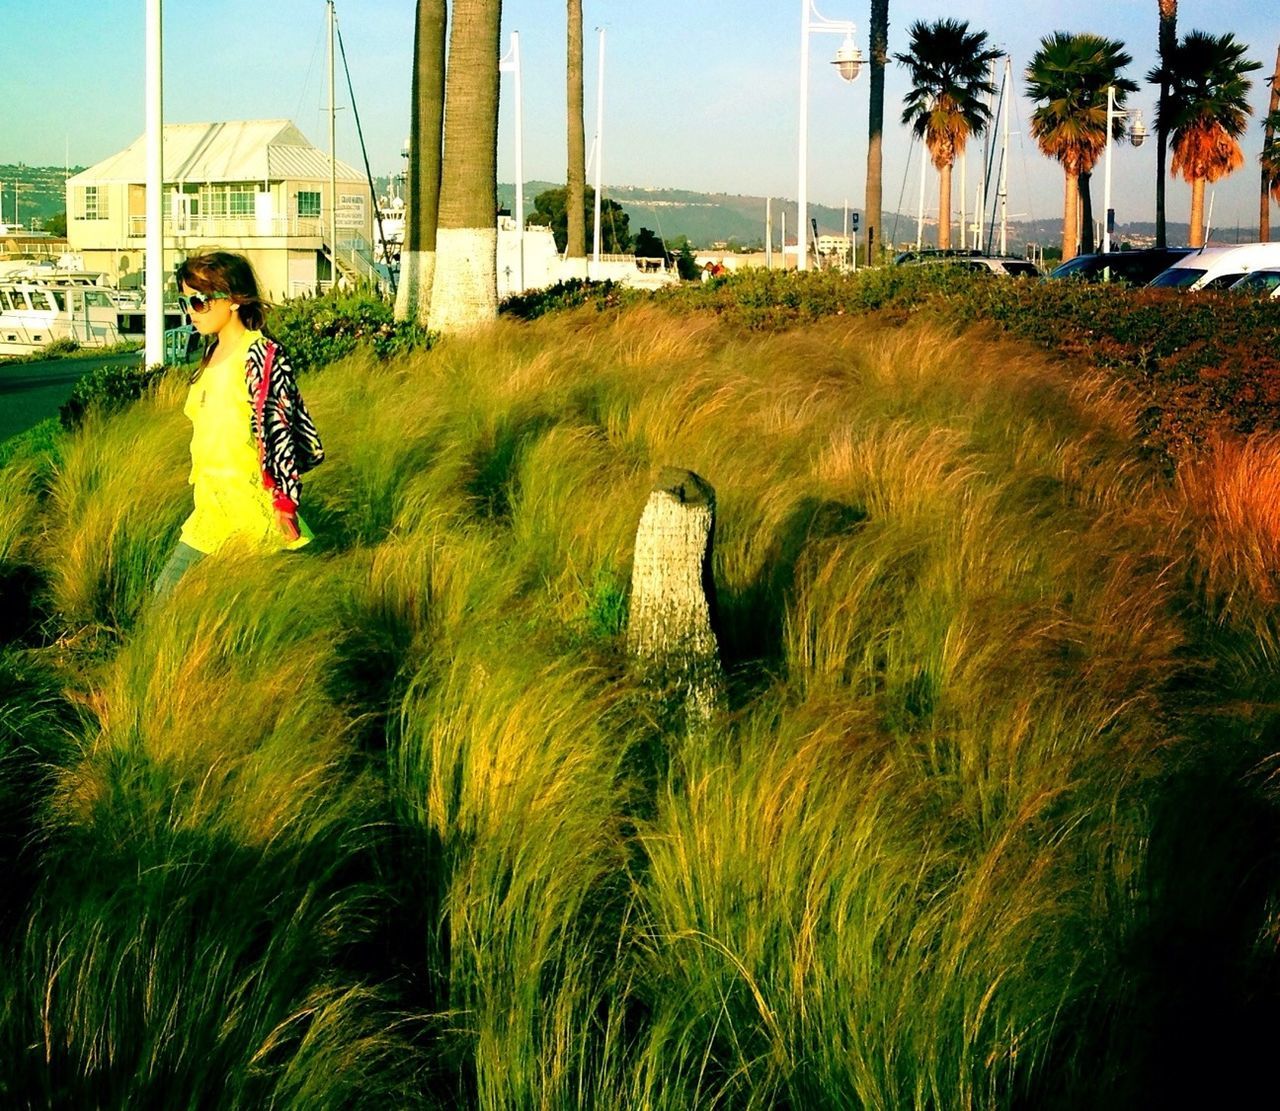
{"x": 1137, "y": 135}
{"x": 510, "y": 63}
{"x": 848, "y": 63}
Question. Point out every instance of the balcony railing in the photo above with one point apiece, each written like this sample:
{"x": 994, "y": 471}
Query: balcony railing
{"x": 227, "y": 227}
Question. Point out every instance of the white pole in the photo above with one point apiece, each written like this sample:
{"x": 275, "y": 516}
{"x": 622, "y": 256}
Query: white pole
{"x": 964, "y": 186}
{"x": 924, "y": 163}
{"x": 802, "y": 191}
{"x": 986, "y": 160}
{"x": 515, "y": 57}
{"x": 333, "y": 165}
{"x": 599, "y": 148}
{"x": 768, "y": 233}
{"x": 784, "y": 239}
{"x": 1106, "y": 176}
{"x": 1004, "y": 159}
{"x": 977, "y": 222}
{"x": 154, "y": 292}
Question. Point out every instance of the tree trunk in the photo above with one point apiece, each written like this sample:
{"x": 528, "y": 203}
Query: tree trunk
{"x": 1196, "y": 238}
{"x": 418, "y": 251}
{"x": 1167, "y": 40}
{"x": 465, "y": 290}
{"x": 576, "y": 194}
{"x": 944, "y": 207}
{"x": 875, "y": 127}
{"x": 1070, "y": 215}
{"x": 669, "y": 631}
{"x": 1268, "y": 137}
{"x": 1086, "y": 213}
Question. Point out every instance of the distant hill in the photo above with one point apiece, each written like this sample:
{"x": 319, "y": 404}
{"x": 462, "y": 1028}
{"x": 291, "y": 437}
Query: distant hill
{"x": 41, "y": 191}
{"x": 705, "y": 219}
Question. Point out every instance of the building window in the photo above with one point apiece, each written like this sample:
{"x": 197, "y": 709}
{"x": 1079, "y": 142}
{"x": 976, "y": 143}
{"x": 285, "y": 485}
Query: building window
{"x": 240, "y": 199}
{"x": 308, "y": 203}
{"x": 235, "y": 201}
{"x": 93, "y": 203}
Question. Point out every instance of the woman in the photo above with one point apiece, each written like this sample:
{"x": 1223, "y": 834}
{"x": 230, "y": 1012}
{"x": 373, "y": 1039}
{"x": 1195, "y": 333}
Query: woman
{"x": 251, "y": 435}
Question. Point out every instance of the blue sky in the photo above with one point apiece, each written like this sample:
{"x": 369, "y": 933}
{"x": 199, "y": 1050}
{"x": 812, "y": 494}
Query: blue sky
{"x": 699, "y": 94}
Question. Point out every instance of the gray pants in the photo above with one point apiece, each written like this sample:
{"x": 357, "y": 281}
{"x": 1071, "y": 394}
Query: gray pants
{"x": 184, "y": 557}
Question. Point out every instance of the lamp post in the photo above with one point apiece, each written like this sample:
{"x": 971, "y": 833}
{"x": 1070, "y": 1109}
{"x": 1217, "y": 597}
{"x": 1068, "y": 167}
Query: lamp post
{"x": 848, "y": 63}
{"x": 510, "y": 63}
{"x": 1137, "y": 135}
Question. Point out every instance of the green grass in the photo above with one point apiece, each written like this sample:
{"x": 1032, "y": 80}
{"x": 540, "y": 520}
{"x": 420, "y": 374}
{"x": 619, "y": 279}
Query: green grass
{"x": 390, "y": 823}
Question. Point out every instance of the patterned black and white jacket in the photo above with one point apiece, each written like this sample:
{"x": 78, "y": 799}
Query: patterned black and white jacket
{"x": 288, "y": 443}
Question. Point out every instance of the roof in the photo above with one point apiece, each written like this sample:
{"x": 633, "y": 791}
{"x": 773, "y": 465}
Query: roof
{"x": 238, "y": 150}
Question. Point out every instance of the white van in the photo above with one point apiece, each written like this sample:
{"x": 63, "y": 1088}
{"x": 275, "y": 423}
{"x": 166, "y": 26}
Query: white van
{"x": 1218, "y": 267}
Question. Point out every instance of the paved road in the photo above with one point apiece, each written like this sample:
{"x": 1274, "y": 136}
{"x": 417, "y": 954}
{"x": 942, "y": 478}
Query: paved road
{"x": 29, "y": 392}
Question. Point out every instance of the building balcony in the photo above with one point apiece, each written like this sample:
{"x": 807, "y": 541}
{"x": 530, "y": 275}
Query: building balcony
{"x": 233, "y": 227}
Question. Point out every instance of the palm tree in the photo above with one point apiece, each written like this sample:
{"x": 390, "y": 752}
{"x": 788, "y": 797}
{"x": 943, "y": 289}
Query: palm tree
{"x": 465, "y": 290}
{"x": 1207, "y": 110}
{"x": 1270, "y": 156}
{"x": 1068, "y": 78}
{"x": 1166, "y": 41}
{"x": 418, "y": 253}
{"x": 1270, "y": 159}
{"x": 948, "y": 66}
{"x": 875, "y": 124}
{"x": 576, "y": 178}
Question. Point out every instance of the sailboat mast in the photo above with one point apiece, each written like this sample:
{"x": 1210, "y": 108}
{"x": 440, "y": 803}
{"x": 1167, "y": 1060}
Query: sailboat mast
{"x": 333, "y": 160}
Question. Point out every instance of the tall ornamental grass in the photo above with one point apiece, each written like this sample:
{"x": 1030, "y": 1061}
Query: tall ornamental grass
{"x": 390, "y": 823}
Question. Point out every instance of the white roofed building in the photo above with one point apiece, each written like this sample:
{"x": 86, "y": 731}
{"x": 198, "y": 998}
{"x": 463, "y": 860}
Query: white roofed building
{"x": 258, "y": 187}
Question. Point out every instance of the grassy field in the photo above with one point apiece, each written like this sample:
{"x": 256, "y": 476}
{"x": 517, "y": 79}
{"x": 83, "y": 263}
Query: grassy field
{"x": 988, "y": 821}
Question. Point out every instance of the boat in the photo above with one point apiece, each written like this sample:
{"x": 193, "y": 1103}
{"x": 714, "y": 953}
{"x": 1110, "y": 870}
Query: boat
{"x": 37, "y": 310}
{"x": 40, "y": 306}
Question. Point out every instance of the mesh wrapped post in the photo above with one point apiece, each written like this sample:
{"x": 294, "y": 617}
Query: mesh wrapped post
{"x": 669, "y": 630}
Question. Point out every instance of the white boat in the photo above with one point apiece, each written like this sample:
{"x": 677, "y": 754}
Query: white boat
{"x": 37, "y": 310}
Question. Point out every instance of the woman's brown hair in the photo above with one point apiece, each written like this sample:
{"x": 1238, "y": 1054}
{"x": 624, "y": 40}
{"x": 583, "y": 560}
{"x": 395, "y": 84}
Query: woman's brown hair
{"x": 229, "y": 273}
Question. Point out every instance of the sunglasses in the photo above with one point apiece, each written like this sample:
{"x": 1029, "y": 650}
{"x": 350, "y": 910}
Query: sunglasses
{"x": 199, "y": 302}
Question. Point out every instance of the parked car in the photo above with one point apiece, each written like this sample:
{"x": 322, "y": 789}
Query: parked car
{"x": 1218, "y": 267}
{"x": 1260, "y": 283}
{"x": 1131, "y": 267}
{"x": 980, "y": 264}
{"x": 933, "y": 254}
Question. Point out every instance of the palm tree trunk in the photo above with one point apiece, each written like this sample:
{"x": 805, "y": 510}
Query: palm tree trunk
{"x": 465, "y": 291}
{"x": 576, "y": 194}
{"x": 1167, "y": 40}
{"x": 418, "y": 251}
{"x": 875, "y": 126}
{"x": 1196, "y": 238}
{"x": 1070, "y": 214}
{"x": 1269, "y": 136}
{"x": 944, "y": 206}
{"x": 1086, "y": 213}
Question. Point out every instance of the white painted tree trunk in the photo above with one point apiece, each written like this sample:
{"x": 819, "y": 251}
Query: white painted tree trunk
{"x": 465, "y": 290}
{"x": 669, "y": 632}
{"x": 413, "y": 294}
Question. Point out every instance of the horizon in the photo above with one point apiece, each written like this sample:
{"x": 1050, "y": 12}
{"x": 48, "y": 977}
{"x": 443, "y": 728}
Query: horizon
{"x": 732, "y": 88}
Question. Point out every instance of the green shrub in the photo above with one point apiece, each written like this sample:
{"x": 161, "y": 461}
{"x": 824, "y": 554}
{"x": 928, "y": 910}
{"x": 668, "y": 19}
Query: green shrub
{"x": 569, "y": 294}
{"x": 320, "y": 330}
{"x": 108, "y": 388}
